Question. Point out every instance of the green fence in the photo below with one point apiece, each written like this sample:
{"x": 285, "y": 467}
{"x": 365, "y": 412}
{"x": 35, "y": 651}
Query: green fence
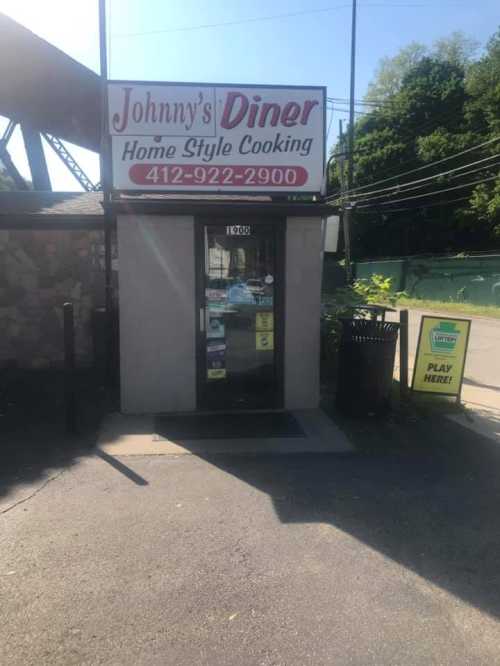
{"x": 459, "y": 279}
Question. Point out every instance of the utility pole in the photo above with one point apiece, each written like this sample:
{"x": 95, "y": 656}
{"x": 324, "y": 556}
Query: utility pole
{"x": 341, "y": 157}
{"x": 348, "y": 216}
{"x": 106, "y": 192}
{"x": 350, "y": 145}
{"x": 346, "y": 211}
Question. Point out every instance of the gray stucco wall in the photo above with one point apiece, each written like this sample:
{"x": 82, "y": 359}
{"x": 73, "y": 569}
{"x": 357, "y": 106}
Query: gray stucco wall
{"x": 157, "y": 313}
{"x": 157, "y": 318}
{"x": 302, "y": 312}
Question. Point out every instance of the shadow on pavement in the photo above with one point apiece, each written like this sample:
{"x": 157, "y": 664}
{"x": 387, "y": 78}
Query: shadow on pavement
{"x": 123, "y": 469}
{"x": 32, "y": 427}
{"x": 424, "y": 494}
{"x": 473, "y": 382}
{"x": 422, "y": 491}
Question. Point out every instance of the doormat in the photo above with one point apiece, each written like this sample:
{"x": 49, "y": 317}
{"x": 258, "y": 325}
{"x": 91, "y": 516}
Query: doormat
{"x": 227, "y": 426}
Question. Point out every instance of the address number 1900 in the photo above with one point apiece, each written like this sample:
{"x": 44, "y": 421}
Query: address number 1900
{"x": 202, "y": 174}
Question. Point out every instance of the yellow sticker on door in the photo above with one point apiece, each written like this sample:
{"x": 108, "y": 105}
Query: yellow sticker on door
{"x": 216, "y": 373}
{"x": 264, "y": 321}
{"x": 264, "y": 340}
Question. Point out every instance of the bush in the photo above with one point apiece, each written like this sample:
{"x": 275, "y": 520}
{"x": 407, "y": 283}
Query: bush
{"x": 375, "y": 290}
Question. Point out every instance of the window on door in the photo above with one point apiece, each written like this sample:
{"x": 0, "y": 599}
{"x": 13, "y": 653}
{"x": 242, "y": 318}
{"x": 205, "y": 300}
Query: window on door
{"x": 241, "y": 311}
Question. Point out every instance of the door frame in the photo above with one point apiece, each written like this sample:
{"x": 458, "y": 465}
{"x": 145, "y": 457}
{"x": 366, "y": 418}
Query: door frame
{"x": 279, "y": 224}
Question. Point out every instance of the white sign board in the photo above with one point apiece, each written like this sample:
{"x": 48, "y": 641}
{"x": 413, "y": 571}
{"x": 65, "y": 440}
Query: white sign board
{"x": 216, "y": 138}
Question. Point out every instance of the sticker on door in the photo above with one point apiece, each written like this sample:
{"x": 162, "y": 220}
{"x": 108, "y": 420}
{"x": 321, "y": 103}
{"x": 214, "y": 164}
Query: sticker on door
{"x": 264, "y": 321}
{"x": 264, "y": 340}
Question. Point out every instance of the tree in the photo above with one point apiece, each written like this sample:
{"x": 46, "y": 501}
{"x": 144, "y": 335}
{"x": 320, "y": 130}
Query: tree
{"x": 482, "y": 115}
{"x": 439, "y": 102}
{"x": 424, "y": 122}
{"x": 457, "y": 49}
{"x": 483, "y": 87}
{"x": 484, "y": 209}
{"x": 391, "y": 71}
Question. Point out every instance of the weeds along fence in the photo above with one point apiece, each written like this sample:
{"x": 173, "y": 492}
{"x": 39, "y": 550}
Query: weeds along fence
{"x": 468, "y": 279}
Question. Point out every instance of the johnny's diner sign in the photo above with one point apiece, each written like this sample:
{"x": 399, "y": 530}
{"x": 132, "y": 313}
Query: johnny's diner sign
{"x": 216, "y": 138}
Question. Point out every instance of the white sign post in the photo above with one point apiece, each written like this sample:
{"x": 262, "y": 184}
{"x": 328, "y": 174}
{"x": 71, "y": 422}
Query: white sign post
{"x": 216, "y": 138}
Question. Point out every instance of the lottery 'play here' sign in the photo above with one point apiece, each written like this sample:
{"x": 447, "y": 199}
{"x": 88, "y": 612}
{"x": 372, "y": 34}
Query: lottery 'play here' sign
{"x": 441, "y": 351}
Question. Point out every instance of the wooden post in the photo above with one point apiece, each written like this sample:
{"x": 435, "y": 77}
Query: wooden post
{"x": 69, "y": 369}
{"x": 403, "y": 354}
{"x": 346, "y": 218}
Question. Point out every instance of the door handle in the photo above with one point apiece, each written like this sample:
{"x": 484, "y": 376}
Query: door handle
{"x": 202, "y": 320}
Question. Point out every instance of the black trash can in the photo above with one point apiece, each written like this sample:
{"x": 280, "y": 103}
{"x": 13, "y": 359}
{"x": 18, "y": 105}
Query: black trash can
{"x": 366, "y": 366}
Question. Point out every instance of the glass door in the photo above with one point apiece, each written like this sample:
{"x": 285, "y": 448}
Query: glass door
{"x": 240, "y": 315}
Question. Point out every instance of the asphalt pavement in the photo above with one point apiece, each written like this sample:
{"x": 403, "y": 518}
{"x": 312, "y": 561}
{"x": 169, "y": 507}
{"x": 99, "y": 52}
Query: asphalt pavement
{"x": 385, "y": 559}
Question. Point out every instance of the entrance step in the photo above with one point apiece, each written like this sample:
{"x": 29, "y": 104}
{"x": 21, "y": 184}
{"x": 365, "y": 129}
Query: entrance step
{"x": 127, "y": 435}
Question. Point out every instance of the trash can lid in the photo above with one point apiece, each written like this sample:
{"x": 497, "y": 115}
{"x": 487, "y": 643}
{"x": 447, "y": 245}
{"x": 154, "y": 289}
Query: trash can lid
{"x": 373, "y": 308}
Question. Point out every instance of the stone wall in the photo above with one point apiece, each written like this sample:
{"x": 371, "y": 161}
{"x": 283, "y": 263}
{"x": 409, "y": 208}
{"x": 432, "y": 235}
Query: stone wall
{"x": 39, "y": 271}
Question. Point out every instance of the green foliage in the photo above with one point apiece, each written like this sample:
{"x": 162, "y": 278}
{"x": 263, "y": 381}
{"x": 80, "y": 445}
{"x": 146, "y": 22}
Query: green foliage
{"x": 377, "y": 290}
{"x": 483, "y": 88}
{"x": 348, "y": 301}
{"x": 439, "y": 102}
{"x": 457, "y": 49}
{"x": 484, "y": 207}
{"x": 390, "y": 72}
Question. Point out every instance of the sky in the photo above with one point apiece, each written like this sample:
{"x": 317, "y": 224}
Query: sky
{"x": 161, "y": 40}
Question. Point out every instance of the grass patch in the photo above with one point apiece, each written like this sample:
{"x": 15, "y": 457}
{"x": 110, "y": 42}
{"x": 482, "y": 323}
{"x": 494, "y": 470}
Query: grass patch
{"x": 447, "y": 306}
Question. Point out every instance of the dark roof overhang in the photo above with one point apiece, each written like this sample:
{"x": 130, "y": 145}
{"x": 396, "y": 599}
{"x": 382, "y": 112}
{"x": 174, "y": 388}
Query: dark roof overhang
{"x": 223, "y": 205}
{"x": 51, "y": 210}
{"x": 72, "y": 210}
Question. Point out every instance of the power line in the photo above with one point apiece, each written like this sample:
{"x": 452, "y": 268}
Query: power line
{"x": 272, "y": 17}
{"x": 435, "y": 176}
{"x": 432, "y": 194}
{"x": 385, "y": 197}
{"x": 329, "y": 124}
{"x": 419, "y": 206}
{"x": 426, "y": 166}
{"x": 357, "y": 102}
{"x": 425, "y": 128}
{"x": 334, "y": 107}
{"x": 358, "y": 113}
{"x": 431, "y": 123}
{"x": 224, "y": 24}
